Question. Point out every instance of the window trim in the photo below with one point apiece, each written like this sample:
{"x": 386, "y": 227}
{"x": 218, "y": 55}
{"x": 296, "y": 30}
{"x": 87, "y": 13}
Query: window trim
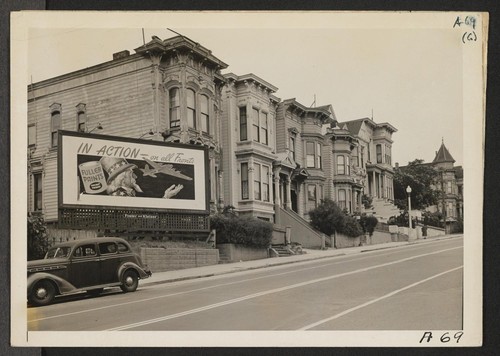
{"x": 340, "y": 165}
{"x": 266, "y": 183}
{"x": 54, "y": 128}
{"x": 255, "y": 125}
{"x": 37, "y": 191}
{"x": 310, "y": 157}
{"x": 257, "y": 181}
{"x": 32, "y": 126}
{"x": 191, "y": 109}
{"x": 205, "y": 116}
{"x": 342, "y": 203}
{"x": 174, "y": 108}
{"x": 378, "y": 150}
{"x": 243, "y": 123}
{"x": 244, "y": 183}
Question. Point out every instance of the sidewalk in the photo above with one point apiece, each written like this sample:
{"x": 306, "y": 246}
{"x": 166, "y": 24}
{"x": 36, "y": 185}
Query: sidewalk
{"x": 225, "y": 268}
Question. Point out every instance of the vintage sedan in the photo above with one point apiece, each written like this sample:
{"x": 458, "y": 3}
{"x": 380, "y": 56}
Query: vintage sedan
{"x": 88, "y": 265}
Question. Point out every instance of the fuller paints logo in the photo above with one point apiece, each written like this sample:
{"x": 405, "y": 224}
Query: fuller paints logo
{"x": 93, "y": 178}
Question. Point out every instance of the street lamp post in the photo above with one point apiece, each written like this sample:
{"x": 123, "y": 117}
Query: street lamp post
{"x": 408, "y": 191}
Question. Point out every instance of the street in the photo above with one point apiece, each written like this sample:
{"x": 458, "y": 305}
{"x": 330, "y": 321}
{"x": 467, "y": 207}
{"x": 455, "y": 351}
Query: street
{"x": 414, "y": 287}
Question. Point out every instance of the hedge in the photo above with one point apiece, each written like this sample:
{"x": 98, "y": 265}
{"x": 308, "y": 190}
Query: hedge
{"x": 248, "y": 231}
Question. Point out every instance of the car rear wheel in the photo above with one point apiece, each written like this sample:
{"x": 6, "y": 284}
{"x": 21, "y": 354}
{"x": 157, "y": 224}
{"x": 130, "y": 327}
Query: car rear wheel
{"x": 42, "y": 293}
{"x": 130, "y": 281}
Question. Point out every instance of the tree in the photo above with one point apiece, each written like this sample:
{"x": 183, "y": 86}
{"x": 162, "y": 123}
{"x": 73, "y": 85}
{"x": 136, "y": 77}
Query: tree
{"x": 327, "y": 217}
{"x": 368, "y": 223}
{"x": 38, "y": 241}
{"x": 420, "y": 177}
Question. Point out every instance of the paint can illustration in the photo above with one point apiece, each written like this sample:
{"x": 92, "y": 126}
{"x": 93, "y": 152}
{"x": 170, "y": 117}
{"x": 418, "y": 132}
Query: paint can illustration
{"x": 92, "y": 176}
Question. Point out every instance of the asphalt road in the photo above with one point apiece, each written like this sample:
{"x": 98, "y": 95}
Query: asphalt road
{"x": 415, "y": 287}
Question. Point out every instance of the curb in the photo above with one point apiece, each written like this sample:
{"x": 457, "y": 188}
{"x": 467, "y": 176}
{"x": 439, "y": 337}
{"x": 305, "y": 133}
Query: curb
{"x": 406, "y": 243}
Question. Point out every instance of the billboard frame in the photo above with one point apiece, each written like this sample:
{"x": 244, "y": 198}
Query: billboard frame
{"x": 82, "y": 216}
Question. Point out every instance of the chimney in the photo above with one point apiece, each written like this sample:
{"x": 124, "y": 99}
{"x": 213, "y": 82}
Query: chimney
{"x": 120, "y": 55}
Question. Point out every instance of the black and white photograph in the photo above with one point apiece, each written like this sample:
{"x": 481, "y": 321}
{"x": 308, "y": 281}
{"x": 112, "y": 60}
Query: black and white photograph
{"x": 279, "y": 178}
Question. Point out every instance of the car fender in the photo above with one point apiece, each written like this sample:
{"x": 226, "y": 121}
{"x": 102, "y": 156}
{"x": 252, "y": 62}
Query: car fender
{"x": 62, "y": 285}
{"x": 130, "y": 265}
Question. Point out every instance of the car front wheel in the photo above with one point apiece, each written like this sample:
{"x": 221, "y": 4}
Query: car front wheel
{"x": 42, "y": 293}
{"x": 130, "y": 281}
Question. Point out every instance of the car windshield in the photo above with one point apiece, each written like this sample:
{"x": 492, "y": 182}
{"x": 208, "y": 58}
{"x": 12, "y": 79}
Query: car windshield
{"x": 58, "y": 252}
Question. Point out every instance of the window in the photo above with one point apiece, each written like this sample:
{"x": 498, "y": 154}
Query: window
{"x": 205, "y": 116}
{"x": 450, "y": 210}
{"x": 348, "y": 165}
{"x": 174, "y": 103}
{"x": 263, "y": 128}
{"x": 122, "y": 247}
{"x": 292, "y": 146}
{"x": 31, "y": 135}
{"x": 318, "y": 156}
{"x": 362, "y": 156}
{"x": 342, "y": 199}
{"x": 388, "y": 154}
{"x": 55, "y": 125}
{"x": 255, "y": 125}
{"x": 85, "y": 250}
{"x": 37, "y": 189}
{"x": 80, "y": 121}
{"x": 243, "y": 124}
{"x": 448, "y": 187}
{"x": 244, "y": 181}
{"x": 311, "y": 192}
{"x": 310, "y": 154}
{"x": 257, "y": 182}
{"x": 349, "y": 200}
{"x": 107, "y": 248}
{"x": 265, "y": 183}
{"x": 340, "y": 165}
{"x": 320, "y": 192}
{"x": 379, "y": 153}
{"x": 191, "y": 108}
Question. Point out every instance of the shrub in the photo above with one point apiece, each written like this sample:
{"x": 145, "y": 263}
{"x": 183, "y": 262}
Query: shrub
{"x": 327, "y": 217}
{"x": 38, "y": 241}
{"x": 248, "y": 231}
{"x": 352, "y": 228}
{"x": 368, "y": 223}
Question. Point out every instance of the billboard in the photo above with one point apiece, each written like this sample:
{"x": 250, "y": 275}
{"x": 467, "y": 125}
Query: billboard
{"x": 120, "y": 173}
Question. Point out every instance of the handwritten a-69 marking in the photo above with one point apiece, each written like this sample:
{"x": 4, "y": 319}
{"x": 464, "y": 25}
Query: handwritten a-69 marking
{"x": 445, "y": 338}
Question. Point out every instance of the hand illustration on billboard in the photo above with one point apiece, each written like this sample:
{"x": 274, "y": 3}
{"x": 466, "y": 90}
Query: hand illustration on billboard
{"x": 172, "y": 191}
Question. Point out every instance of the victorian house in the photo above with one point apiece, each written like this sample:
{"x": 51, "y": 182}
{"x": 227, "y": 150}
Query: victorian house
{"x": 268, "y": 158}
{"x": 166, "y": 91}
{"x": 449, "y": 183}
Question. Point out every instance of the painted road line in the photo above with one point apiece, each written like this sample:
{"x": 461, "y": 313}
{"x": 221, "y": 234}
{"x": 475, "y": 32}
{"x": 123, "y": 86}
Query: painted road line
{"x": 388, "y": 295}
{"x": 271, "y": 291}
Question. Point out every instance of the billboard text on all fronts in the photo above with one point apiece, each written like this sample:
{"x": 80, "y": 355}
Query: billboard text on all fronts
{"x": 114, "y": 172}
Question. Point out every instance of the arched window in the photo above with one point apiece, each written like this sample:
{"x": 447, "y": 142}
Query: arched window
{"x": 191, "y": 108}
{"x": 55, "y": 125}
{"x": 174, "y": 103}
{"x": 205, "y": 116}
{"x": 340, "y": 165}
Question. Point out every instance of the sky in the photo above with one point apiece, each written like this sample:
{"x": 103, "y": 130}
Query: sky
{"x": 410, "y": 78}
